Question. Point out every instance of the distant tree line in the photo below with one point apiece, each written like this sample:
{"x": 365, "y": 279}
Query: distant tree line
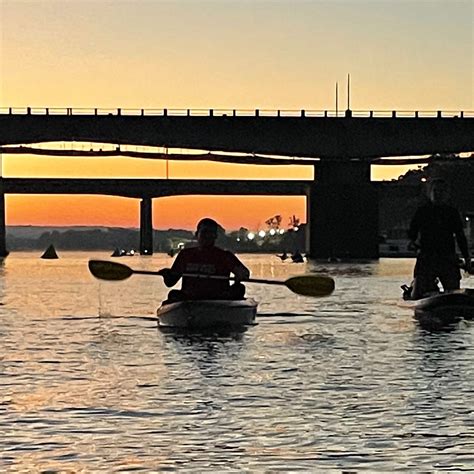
{"x": 107, "y": 238}
{"x": 163, "y": 240}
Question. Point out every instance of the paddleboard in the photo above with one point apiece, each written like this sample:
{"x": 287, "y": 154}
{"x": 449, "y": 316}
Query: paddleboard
{"x": 443, "y": 308}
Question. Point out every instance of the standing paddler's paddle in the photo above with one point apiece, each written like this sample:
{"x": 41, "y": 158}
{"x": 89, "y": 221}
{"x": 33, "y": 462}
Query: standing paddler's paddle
{"x": 307, "y": 285}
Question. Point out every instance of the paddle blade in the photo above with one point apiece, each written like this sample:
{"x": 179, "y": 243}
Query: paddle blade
{"x": 109, "y": 270}
{"x": 311, "y": 285}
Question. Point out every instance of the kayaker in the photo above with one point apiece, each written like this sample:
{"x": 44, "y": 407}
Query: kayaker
{"x": 206, "y": 259}
{"x": 434, "y": 230}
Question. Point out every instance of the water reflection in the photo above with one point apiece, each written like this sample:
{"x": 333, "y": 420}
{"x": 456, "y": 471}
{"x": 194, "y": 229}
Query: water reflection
{"x": 348, "y": 382}
{"x": 339, "y": 269}
{"x": 206, "y": 350}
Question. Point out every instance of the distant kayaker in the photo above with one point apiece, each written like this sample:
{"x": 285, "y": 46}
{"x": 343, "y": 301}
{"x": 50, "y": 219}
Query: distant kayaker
{"x": 207, "y": 260}
{"x": 434, "y": 231}
{"x": 283, "y": 256}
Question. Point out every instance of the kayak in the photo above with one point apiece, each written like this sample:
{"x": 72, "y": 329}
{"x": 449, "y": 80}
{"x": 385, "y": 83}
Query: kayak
{"x": 443, "y": 308}
{"x": 207, "y": 314}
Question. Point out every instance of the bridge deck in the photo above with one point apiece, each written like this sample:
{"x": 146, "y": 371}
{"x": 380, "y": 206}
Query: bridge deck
{"x": 340, "y": 138}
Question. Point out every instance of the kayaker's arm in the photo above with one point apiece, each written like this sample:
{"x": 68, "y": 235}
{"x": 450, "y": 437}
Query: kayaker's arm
{"x": 172, "y": 275}
{"x": 413, "y": 231}
{"x": 241, "y": 272}
{"x": 169, "y": 277}
{"x": 462, "y": 244}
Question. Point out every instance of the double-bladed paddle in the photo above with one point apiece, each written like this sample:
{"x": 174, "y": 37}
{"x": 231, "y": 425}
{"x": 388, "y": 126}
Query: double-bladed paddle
{"x": 306, "y": 285}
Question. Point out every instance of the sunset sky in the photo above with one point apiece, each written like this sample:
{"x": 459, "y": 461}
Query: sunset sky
{"x": 288, "y": 54}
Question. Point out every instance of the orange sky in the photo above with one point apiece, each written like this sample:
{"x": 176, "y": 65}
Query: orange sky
{"x": 170, "y": 212}
{"x": 176, "y": 212}
{"x": 415, "y": 55}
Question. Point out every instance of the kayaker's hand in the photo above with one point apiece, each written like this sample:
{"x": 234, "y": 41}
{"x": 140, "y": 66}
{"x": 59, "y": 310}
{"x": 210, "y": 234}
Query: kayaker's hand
{"x": 164, "y": 272}
{"x": 169, "y": 277}
{"x": 241, "y": 274}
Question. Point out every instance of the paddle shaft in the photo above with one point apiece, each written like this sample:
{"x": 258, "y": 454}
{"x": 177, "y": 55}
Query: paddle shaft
{"x": 214, "y": 277}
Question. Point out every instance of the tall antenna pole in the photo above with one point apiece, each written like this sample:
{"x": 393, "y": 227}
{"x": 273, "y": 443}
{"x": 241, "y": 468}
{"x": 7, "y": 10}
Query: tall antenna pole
{"x": 348, "y": 92}
{"x": 336, "y": 100}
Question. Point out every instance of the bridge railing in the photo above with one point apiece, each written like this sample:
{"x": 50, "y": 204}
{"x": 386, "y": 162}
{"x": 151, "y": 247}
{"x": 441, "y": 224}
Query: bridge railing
{"x": 235, "y": 112}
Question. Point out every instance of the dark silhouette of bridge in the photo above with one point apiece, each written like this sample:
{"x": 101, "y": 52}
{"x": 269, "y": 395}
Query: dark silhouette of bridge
{"x": 342, "y": 201}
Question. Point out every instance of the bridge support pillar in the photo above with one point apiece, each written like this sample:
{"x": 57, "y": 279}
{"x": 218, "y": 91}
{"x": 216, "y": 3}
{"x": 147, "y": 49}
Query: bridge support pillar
{"x": 343, "y": 212}
{"x": 146, "y": 227}
{"x": 3, "y": 243}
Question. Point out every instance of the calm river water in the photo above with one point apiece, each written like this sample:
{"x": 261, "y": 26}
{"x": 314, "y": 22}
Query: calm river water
{"x": 347, "y": 382}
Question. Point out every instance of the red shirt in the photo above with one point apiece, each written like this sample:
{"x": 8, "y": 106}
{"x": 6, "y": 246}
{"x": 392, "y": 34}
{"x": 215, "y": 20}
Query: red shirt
{"x": 205, "y": 261}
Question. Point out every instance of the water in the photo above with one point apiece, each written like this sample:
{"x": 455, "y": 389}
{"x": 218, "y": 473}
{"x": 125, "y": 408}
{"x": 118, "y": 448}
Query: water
{"x": 347, "y": 382}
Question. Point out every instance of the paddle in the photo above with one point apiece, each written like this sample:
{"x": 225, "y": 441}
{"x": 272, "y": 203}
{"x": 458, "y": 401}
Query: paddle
{"x": 306, "y": 285}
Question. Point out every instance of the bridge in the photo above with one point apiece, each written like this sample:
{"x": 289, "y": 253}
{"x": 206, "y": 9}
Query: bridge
{"x": 342, "y": 202}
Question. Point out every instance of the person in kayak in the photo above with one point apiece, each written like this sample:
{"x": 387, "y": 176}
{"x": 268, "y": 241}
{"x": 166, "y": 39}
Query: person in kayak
{"x": 207, "y": 260}
{"x": 434, "y": 230}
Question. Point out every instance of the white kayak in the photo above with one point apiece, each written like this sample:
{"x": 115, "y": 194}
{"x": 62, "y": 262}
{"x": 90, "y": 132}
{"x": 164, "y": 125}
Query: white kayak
{"x": 207, "y": 314}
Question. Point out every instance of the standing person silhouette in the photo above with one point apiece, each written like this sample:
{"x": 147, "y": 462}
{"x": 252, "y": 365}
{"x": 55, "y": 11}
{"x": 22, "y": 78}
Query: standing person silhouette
{"x": 207, "y": 260}
{"x": 434, "y": 231}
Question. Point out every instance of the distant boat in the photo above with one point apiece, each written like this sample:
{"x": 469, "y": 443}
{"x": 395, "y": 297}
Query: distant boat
{"x": 123, "y": 253}
{"x": 297, "y": 257}
{"x": 50, "y": 253}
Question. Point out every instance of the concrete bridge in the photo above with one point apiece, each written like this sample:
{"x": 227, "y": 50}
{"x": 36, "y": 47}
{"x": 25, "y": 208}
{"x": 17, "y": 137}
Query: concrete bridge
{"x": 342, "y": 202}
